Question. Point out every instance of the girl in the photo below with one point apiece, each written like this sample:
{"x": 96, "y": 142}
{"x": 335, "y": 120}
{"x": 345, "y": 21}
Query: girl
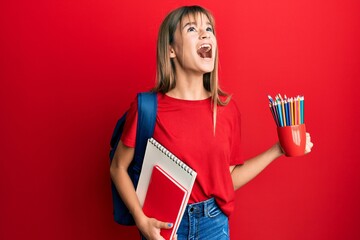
{"x": 198, "y": 123}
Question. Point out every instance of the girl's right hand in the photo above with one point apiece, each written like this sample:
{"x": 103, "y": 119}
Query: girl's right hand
{"x": 150, "y": 228}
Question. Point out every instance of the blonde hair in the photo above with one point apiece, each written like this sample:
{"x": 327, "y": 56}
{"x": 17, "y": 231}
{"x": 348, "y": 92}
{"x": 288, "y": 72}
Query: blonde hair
{"x": 165, "y": 74}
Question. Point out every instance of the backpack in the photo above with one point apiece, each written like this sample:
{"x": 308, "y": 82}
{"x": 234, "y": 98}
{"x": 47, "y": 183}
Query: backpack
{"x": 147, "y": 108}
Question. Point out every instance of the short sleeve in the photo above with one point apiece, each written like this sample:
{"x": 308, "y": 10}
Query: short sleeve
{"x": 128, "y": 137}
{"x": 236, "y": 153}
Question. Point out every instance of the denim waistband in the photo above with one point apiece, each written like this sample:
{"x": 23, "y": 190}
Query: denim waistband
{"x": 201, "y": 208}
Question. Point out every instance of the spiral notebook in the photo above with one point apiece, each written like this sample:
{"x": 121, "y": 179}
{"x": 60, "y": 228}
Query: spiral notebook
{"x": 166, "y": 207}
{"x": 158, "y": 157}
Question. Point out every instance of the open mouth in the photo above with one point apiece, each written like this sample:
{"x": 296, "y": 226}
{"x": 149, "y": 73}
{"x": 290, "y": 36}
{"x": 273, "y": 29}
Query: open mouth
{"x": 204, "y": 51}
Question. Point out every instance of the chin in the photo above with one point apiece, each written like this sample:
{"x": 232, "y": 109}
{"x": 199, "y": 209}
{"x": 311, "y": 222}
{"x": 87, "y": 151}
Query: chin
{"x": 209, "y": 68}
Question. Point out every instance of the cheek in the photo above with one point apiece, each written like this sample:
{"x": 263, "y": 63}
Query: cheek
{"x": 214, "y": 43}
{"x": 186, "y": 49}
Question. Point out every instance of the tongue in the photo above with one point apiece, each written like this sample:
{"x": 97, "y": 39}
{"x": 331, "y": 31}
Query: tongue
{"x": 204, "y": 52}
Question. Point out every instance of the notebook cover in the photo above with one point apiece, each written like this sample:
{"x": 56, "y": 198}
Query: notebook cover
{"x": 165, "y": 200}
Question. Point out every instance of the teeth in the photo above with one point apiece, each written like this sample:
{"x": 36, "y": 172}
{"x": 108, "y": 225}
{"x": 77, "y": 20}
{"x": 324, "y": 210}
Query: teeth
{"x": 208, "y": 46}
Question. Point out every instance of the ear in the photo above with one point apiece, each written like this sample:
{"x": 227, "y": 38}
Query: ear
{"x": 172, "y": 52}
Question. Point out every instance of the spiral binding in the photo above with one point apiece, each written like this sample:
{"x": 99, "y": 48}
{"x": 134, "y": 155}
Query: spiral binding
{"x": 171, "y": 156}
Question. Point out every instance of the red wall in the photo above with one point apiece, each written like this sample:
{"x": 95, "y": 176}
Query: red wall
{"x": 68, "y": 69}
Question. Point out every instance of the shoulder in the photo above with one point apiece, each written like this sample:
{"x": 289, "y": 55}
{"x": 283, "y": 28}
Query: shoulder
{"x": 134, "y": 104}
{"x": 231, "y": 113}
{"x": 231, "y": 106}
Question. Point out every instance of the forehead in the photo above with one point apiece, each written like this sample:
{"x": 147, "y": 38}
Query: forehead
{"x": 195, "y": 18}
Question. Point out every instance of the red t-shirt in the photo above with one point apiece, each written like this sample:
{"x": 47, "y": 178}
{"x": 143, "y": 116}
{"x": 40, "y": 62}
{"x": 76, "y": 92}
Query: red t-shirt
{"x": 185, "y": 128}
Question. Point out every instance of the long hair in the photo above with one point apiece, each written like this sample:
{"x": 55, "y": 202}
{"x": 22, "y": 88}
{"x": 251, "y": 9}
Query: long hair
{"x": 165, "y": 73}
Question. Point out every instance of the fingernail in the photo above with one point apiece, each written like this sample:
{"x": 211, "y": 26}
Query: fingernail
{"x": 170, "y": 224}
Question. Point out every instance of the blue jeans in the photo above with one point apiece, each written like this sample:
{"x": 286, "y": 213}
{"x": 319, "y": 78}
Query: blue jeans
{"x": 203, "y": 221}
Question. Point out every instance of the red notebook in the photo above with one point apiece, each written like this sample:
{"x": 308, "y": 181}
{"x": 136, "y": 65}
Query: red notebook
{"x": 165, "y": 199}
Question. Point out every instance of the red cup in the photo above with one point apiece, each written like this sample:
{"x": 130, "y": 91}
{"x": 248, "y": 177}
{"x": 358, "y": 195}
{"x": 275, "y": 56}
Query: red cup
{"x": 292, "y": 139}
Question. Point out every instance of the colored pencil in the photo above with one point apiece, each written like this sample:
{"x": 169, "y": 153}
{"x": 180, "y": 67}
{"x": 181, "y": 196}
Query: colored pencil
{"x": 302, "y": 109}
{"x": 287, "y": 111}
{"x": 279, "y": 111}
{"x": 273, "y": 113}
{"x": 292, "y": 111}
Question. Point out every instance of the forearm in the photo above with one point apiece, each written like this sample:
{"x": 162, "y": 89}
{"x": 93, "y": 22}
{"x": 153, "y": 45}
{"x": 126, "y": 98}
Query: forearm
{"x": 121, "y": 179}
{"x": 126, "y": 191}
{"x": 242, "y": 174}
{"x": 149, "y": 227}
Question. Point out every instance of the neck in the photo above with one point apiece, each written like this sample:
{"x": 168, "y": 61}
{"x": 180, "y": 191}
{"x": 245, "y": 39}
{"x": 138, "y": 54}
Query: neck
{"x": 189, "y": 88}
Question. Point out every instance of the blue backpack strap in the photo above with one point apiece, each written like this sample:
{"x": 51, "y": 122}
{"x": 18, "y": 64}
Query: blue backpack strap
{"x": 115, "y": 138}
{"x": 147, "y": 109}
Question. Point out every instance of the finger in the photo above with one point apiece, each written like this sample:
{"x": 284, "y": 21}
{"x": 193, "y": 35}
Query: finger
{"x": 167, "y": 225}
{"x": 164, "y": 225}
{"x": 308, "y": 138}
{"x": 308, "y": 147}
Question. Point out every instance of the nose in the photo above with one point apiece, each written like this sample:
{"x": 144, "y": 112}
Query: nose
{"x": 204, "y": 35}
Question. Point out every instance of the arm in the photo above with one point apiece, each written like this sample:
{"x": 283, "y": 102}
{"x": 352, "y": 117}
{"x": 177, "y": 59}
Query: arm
{"x": 150, "y": 227}
{"x": 242, "y": 174}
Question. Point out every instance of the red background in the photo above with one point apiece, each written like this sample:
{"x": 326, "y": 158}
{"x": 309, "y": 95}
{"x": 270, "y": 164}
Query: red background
{"x": 69, "y": 69}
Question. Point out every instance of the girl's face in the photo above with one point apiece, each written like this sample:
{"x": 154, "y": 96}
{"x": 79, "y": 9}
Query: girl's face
{"x": 194, "y": 45}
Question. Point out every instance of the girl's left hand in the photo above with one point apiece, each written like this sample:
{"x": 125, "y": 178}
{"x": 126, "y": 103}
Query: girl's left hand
{"x": 308, "y": 144}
